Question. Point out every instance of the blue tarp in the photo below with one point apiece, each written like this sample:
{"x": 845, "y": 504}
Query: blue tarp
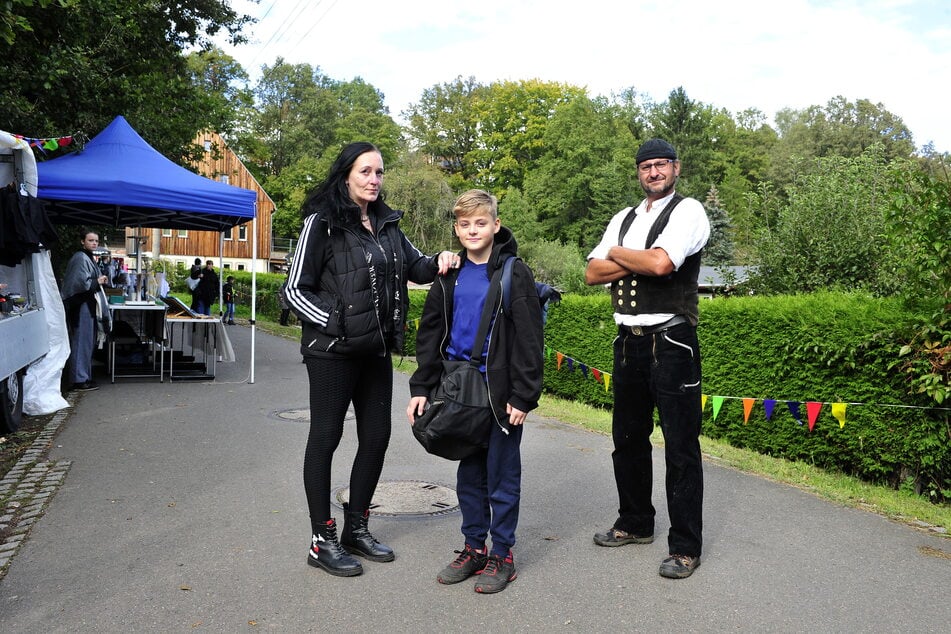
{"x": 120, "y": 180}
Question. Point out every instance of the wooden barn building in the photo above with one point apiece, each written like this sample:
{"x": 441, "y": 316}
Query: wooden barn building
{"x": 181, "y": 247}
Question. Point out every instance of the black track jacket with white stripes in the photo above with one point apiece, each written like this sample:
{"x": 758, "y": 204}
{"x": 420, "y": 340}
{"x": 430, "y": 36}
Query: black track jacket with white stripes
{"x": 330, "y": 285}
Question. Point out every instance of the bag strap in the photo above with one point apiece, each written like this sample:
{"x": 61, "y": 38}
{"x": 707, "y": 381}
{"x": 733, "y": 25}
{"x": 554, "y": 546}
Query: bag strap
{"x": 488, "y": 311}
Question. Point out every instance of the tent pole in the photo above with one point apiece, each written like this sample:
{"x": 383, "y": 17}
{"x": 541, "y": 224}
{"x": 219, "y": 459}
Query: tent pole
{"x": 221, "y": 273}
{"x": 254, "y": 284}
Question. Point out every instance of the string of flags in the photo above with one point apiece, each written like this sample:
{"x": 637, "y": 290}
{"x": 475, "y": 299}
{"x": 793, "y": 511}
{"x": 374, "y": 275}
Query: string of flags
{"x": 52, "y": 143}
{"x": 813, "y": 408}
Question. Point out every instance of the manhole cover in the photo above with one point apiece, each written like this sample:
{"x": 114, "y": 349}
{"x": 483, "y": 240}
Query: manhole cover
{"x": 303, "y": 415}
{"x": 407, "y": 497}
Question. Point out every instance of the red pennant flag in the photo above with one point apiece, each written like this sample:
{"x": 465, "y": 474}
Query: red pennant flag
{"x": 597, "y": 374}
{"x": 812, "y": 411}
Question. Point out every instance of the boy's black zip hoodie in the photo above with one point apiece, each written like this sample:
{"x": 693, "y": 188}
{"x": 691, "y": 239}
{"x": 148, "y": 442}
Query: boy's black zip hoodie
{"x": 515, "y": 360}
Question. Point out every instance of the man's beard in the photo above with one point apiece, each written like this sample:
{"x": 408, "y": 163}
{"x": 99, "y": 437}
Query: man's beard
{"x": 663, "y": 193}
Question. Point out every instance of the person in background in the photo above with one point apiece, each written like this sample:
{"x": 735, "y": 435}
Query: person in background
{"x": 651, "y": 257}
{"x": 207, "y": 290}
{"x": 194, "y": 277}
{"x": 347, "y": 287}
{"x": 285, "y": 309}
{"x": 86, "y": 310}
{"x": 488, "y": 482}
{"x": 228, "y": 294}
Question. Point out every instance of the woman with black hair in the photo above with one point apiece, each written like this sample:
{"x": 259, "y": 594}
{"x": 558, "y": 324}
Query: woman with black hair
{"x": 347, "y": 286}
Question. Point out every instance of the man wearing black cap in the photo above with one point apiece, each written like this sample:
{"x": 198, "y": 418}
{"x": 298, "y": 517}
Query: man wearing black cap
{"x": 651, "y": 257}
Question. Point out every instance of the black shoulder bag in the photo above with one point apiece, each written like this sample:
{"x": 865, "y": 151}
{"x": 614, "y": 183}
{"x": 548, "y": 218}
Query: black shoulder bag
{"x": 459, "y": 418}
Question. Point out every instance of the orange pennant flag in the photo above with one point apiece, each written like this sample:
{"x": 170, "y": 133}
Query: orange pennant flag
{"x": 838, "y": 410}
{"x": 812, "y": 411}
{"x": 747, "y": 408}
{"x": 560, "y": 356}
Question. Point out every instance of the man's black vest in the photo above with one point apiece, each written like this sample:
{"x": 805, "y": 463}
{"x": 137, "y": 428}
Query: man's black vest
{"x": 647, "y": 294}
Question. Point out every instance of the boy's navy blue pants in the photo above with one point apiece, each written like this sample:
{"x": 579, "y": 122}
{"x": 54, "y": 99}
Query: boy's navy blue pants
{"x": 489, "y": 487}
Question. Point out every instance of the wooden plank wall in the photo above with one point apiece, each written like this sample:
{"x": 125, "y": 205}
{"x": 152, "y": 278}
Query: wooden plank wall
{"x": 204, "y": 244}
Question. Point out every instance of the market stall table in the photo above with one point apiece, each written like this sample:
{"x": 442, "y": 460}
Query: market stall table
{"x": 138, "y": 330}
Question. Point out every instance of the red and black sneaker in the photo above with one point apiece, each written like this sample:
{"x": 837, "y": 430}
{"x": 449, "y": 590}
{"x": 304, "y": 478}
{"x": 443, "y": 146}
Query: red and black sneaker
{"x": 469, "y": 562}
{"x": 497, "y": 574}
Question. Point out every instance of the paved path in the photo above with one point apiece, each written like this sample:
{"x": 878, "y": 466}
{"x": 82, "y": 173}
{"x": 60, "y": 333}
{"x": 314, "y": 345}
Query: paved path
{"x": 183, "y": 510}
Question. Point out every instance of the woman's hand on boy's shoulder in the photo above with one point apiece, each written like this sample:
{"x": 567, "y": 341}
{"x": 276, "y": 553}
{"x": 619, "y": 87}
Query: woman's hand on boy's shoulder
{"x": 445, "y": 261}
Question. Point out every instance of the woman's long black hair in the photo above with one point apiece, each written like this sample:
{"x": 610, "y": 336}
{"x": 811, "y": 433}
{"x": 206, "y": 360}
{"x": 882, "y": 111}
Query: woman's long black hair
{"x": 332, "y": 195}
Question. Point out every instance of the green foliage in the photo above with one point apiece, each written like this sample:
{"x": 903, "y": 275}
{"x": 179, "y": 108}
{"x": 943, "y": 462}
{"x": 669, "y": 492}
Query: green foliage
{"x": 917, "y": 230}
{"x": 919, "y": 240}
{"x": 825, "y": 347}
{"x": 419, "y": 189}
{"x": 266, "y": 285}
{"x": 585, "y": 174}
{"x": 840, "y": 128}
{"x": 692, "y": 128}
{"x": 115, "y": 57}
{"x": 719, "y": 249}
{"x": 829, "y": 233}
{"x": 557, "y": 264}
{"x": 513, "y": 118}
{"x": 301, "y": 120}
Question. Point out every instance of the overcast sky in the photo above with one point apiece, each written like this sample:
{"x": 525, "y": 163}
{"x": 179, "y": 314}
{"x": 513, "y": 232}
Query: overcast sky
{"x": 727, "y": 54}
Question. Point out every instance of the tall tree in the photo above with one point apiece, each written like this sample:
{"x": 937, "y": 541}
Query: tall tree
{"x": 224, "y": 85}
{"x": 829, "y": 234}
{"x": 840, "y": 128}
{"x": 422, "y": 191}
{"x": 512, "y": 119}
{"x": 85, "y": 62}
{"x": 585, "y": 173}
{"x": 719, "y": 248}
{"x": 444, "y": 125}
{"x": 690, "y": 127}
{"x": 296, "y": 114}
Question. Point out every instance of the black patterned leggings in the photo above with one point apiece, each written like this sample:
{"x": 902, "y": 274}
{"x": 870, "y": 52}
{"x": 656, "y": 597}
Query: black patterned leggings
{"x": 367, "y": 382}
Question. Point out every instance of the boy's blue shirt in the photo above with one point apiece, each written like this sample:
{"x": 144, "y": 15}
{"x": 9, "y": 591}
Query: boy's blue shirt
{"x": 472, "y": 286}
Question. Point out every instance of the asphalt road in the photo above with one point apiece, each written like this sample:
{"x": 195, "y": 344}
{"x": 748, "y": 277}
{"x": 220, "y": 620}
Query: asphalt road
{"x": 183, "y": 510}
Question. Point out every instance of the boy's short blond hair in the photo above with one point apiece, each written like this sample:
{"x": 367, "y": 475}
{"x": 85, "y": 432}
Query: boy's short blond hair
{"x": 474, "y": 201}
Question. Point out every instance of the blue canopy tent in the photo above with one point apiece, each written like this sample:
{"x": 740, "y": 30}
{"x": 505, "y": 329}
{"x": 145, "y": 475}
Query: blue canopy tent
{"x": 119, "y": 180}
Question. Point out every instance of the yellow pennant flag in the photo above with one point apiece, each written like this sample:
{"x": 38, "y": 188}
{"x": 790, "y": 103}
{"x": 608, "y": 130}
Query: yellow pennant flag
{"x": 747, "y": 408}
{"x": 607, "y": 380}
{"x": 703, "y": 402}
{"x": 838, "y": 410}
{"x": 717, "y": 403}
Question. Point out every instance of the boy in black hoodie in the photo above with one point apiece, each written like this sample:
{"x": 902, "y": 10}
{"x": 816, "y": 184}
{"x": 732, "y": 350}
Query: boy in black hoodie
{"x": 488, "y": 482}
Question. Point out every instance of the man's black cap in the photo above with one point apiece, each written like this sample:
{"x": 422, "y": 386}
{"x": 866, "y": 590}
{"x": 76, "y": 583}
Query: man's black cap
{"x": 655, "y": 148}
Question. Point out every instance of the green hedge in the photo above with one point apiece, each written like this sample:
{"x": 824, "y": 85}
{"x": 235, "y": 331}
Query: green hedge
{"x": 825, "y": 347}
{"x": 267, "y": 285}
